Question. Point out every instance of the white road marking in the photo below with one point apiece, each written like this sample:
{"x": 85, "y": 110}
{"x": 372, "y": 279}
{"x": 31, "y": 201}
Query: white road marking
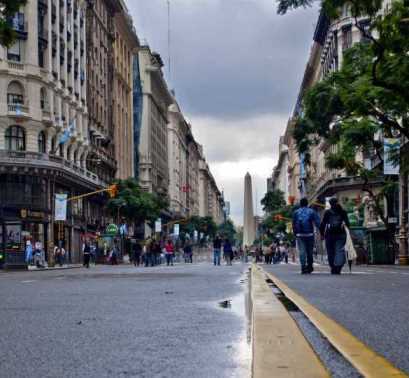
{"x": 28, "y": 281}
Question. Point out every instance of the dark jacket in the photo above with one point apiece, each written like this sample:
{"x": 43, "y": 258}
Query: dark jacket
{"x": 340, "y": 215}
{"x": 303, "y": 221}
{"x": 217, "y": 243}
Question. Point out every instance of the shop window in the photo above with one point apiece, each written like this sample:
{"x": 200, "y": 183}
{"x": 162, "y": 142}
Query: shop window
{"x": 15, "y": 137}
{"x": 13, "y": 237}
{"x": 42, "y": 140}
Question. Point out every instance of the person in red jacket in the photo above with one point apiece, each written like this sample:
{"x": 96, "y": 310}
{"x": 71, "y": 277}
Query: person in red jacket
{"x": 170, "y": 250}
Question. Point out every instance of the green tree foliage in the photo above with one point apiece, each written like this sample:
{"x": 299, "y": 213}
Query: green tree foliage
{"x": 368, "y": 96}
{"x": 227, "y": 230}
{"x": 276, "y": 222}
{"x": 273, "y": 200}
{"x": 8, "y": 8}
{"x": 134, "y": 204}
{"x": 205, "y": 225}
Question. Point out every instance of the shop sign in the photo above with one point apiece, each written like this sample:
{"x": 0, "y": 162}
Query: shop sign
{"x": 176, "y": 229}
{"x": 112, "y": 229}
{"x": 31, "y": 214}
{"x": 61, "y": 207}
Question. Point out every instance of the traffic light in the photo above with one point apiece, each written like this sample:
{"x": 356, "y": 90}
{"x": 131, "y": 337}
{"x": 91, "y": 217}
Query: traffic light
{"x": 278, "y": 217}
{"x": 113, "y": 190}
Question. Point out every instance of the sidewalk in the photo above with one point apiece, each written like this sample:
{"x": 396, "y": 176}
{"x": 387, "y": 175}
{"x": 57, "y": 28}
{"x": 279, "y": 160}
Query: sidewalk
{"x": 371, "y": 302}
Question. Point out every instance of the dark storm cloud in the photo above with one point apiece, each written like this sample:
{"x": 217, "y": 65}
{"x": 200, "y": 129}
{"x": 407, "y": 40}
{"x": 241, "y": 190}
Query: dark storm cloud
{"x": 230, "y": 59}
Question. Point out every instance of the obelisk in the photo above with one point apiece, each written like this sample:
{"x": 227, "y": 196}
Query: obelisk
{"x": 249, "y": 227}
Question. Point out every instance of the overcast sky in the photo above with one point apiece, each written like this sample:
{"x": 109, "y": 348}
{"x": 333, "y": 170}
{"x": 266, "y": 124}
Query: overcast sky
{"x": 236, "y": 67}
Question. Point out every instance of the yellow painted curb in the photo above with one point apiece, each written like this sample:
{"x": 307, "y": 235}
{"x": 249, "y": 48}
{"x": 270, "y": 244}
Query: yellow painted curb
{"x": 280, "y": 350}
{"x": 363, "y": 358}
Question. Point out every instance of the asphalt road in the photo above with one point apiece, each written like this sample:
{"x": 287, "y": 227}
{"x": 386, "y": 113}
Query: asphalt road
{"x": 372, "y": 303}
{"x": 124, "y": 322}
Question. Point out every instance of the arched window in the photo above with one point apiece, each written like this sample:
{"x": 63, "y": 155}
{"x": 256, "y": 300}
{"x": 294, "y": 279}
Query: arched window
{"x": 15, "y": 138}
{"x": 69, "y": 153}
{"x": 42, "y": 142}
{"x": 43, "y": 98}
{"x": 15, "y": 93}
{"x": 53, "y": 145}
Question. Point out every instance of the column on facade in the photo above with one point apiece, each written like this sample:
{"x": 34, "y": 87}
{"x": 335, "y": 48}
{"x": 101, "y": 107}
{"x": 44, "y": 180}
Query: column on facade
{"x": 31, "y": 47}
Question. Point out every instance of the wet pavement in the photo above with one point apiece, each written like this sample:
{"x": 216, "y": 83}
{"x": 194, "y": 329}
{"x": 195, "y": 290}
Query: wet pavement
{"x": 372, "y": 303}
{"x": 181, "y": 321}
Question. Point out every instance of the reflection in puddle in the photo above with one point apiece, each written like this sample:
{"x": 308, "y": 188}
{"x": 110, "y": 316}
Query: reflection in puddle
{"x": 240, "y": 305}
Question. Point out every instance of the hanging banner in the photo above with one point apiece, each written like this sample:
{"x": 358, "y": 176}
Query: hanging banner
{"x": 390, "y": 150}
{"x": 176, "y": 230}
{"x": 158, "y": 225}
{"x": 60, "y": 207}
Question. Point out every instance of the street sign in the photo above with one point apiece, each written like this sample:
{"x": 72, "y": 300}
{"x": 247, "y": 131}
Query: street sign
{"x": 176, "y": 229}
{"x": 158, "y": 225}
{"x": 112, "y": 229}
{"x": 195, "y": 235}
{"x": 60, "y": 208}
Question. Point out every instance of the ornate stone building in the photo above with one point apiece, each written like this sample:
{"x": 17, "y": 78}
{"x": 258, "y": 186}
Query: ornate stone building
{"x": 44, "y": 95}
{"x": 125, "y": 46}
{"x": 153, "y": 145}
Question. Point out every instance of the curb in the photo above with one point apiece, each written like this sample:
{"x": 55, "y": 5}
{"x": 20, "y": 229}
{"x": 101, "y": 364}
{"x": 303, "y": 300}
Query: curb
{"x": 365, "y": 360}
{"x": 54, "y": 268}
{"x": 279, "y": 347}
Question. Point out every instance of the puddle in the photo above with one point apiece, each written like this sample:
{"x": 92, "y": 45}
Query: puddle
{"x": 225, "y": 304}
{"x": 289, "y": 305}
{"x": 240, "y": 305}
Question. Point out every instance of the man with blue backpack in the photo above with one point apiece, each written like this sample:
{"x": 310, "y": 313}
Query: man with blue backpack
{"x": 304, "y": 220}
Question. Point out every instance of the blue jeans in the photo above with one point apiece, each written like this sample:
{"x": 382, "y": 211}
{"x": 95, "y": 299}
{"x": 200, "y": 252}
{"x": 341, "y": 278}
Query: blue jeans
{"x": 216, "y": 256}
{"x": 169, "y": 259}
{"x": 305, "y": 247}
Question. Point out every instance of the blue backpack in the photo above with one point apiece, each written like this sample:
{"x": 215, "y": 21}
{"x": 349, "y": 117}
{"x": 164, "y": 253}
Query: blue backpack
{"x": 303, "y": 221}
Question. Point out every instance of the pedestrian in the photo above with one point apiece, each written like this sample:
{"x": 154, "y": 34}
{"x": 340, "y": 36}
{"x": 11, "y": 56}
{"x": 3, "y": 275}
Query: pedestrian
{"x": 87, "y": 254}
{"x": 38, "y": 255}
{"x": 332, "y": 230}
{"x": 283, "y": 249}
{"x": 227, "y": 252}
{"x": 217, "y": 246}
{"x": 137, "y": 251}
{"x": 188, "y": 252}
{"x": 28, "y": 252}
{"x": 114, "y": 254}
{"x": 59, "y": 253}
{"x": 148, "y": 251}
{"x": 170, "y": 250}
{"x": 304, "y": 220}
{"x": 246, "y": 253}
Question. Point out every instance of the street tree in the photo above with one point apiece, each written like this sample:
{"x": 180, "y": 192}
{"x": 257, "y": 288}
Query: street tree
{"x": 273, "y": 200}
{"x": 8, "y": 8}
{"x": 227, "y": 230}
{"x": 134, "y": 204}
{"x": 367, "y": 97}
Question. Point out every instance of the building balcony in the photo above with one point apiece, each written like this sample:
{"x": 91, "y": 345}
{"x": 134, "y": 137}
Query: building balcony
{"x": 18, "y": 110}
{"x": 15, "y": 66}
{"x": 40, "y": 160}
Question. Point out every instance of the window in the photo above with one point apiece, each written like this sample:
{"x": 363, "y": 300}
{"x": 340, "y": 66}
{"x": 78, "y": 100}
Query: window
{"x": 43, "y": 98}
{"x": 15, "y": 93}
{"x": 346, "y": 37}
{"x": 14, "y": 51}
{"x": 42, "y": 140}
{"x": 15, "y": 138}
